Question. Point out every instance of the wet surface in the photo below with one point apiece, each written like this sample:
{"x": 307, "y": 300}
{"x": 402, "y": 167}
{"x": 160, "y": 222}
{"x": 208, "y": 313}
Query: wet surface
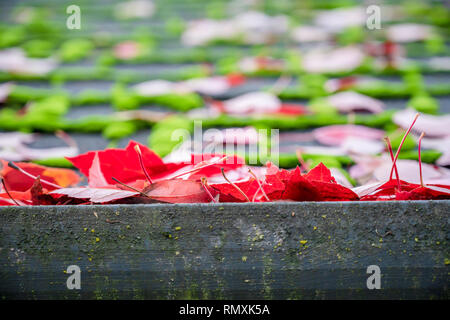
{"x": 214, "y": 251}
{"x": 98, "y": 19}
{"x": 80, "y": 112}
{"x": 85, "y": 141}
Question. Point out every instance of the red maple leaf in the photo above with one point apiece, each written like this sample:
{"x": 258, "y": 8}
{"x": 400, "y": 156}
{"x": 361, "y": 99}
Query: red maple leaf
{"x": 329, "y": 190}
{"x": 298, "y": 188}
{"x": 122, "y": 164}
{"x": 317, "y": 185}
{"x": 229, "y": 193}
{"x": 320, "y": 173}
{"x": 21, "y": 198}
{"x": 202, "y": 165}
{"x": 17, "y": 181}
{"x": 408, "y": 191}
{"x": 177, "y": 191}
{"x": 396, "y": 189}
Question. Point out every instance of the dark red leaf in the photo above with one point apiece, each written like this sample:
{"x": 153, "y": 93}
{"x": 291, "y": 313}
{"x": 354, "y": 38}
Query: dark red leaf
{"x": 39, "y": 195}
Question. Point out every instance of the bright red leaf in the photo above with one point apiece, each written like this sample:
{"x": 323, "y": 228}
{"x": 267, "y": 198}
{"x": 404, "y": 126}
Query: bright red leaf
{"x": 320, "y": 173}
{"x": 17, "y": 181}
{"x": 229, "y": 193}
{"x": 122, "y": 164}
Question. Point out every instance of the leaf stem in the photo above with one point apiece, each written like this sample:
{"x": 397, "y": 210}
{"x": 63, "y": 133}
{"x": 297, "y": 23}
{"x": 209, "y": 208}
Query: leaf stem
{"x": 260, "y": 186}
{"x": 304, "y": 165}
{"x": 13, "y": 166}
{"x": 256, "y": 193}
{"x": 66, "y": 138}
{"x": 201, "y": 167}
{"x": 401, "y": 143}
{"x": 205, "y": 186}
{"x": 388, "y": 142}
{"x": 134, "y": 189}
{"x": 141, "y": 162}
{"x": 235, "y": 186}
{"x": 420, "y": 159}
{"x": 7, "y": 192}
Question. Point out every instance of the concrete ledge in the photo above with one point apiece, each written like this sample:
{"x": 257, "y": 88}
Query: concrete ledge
{"x": 226, "y": 251}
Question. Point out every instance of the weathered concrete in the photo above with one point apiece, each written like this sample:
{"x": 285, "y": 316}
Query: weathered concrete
{"x": 255, "y": 251}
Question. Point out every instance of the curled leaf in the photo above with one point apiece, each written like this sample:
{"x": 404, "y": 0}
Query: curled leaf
{"x": 96, "y": 195}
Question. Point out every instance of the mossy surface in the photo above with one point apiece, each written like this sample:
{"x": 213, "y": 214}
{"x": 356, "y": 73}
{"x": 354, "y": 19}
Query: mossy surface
{"x": 227, "y": 251}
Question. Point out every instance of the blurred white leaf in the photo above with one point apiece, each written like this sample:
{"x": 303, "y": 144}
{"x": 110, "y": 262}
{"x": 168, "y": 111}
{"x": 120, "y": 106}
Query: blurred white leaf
{"x": 335, "y": 60}
{"x": 350, "y": 101}
{"x": 14, "y": 60}
{"x": 433, "y": 126}
{"x": 408, "y": 32}
{"x": 134, "y": 9}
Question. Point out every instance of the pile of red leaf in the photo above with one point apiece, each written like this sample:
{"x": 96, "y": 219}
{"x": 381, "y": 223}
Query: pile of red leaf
{"x": 396, "y": 189}
{"x": 138, "y": 175}
{"x": 316, "y": 185}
